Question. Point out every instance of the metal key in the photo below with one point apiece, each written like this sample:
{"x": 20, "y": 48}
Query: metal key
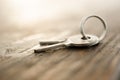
{"x": 74, "y": 41}
{"x": 77, "y": 40}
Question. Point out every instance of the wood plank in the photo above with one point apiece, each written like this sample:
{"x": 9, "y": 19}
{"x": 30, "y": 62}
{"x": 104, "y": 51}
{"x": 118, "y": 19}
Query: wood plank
{"x": 100, "y": 62}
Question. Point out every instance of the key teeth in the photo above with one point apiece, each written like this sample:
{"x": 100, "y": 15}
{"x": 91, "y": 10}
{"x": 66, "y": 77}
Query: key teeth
{"x": 38, "y": 51}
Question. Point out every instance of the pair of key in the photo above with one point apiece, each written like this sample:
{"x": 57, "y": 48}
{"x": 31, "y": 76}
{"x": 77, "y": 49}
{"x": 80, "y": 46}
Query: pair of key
{"x": 81, "y": 40}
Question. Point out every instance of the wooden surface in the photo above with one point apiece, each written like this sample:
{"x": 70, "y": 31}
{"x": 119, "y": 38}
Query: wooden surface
{"x": 100, "y": 62}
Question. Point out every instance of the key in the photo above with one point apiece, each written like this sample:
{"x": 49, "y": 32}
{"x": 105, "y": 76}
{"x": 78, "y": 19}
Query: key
{"x": 83, "y": 21}
{"x": 74, "y": 41}
{"x": 82, "y": 40}
{"x": 44, "y": 43}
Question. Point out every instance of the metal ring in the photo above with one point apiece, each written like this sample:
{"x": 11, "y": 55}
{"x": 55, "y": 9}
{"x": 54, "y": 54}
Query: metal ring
{"x": 83, "y": 21}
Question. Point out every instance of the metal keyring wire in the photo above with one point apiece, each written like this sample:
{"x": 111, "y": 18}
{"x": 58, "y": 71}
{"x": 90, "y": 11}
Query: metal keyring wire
{"x": 83, "y": 21}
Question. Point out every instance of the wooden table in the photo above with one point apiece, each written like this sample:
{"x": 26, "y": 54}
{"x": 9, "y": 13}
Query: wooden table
{"x": 100, "y": 62}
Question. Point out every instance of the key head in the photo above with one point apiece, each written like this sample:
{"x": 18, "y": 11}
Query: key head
{"x": 79, "y": 42}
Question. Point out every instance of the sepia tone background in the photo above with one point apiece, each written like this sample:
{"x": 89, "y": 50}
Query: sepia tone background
{"x": 23, "y": 23}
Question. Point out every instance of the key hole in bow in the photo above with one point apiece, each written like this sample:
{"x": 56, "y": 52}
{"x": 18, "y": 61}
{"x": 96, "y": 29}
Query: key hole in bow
{"x": 84, "y": 38}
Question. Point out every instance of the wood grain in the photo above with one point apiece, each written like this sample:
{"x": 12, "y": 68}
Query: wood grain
{"x": 100, "y": 62}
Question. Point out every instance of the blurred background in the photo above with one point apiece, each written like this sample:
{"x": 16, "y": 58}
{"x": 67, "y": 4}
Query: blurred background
{"x": 21, "y": 18}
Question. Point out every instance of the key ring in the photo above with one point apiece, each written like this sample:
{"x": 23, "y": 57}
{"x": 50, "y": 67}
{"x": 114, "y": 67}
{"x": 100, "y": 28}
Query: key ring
{"x": 84, "y": 20}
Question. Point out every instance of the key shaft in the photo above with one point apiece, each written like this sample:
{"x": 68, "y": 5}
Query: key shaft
{"x": 43, "y": 43}
{"x": 46, "y": 48}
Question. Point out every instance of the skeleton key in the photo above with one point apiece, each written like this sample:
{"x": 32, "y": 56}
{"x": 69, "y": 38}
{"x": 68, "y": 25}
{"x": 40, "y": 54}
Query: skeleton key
{"x": 77, "y": 40}
{"x": 73, "y": 41}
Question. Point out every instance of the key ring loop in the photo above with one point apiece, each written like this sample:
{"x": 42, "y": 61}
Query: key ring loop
{"x": 84, "y": 20}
